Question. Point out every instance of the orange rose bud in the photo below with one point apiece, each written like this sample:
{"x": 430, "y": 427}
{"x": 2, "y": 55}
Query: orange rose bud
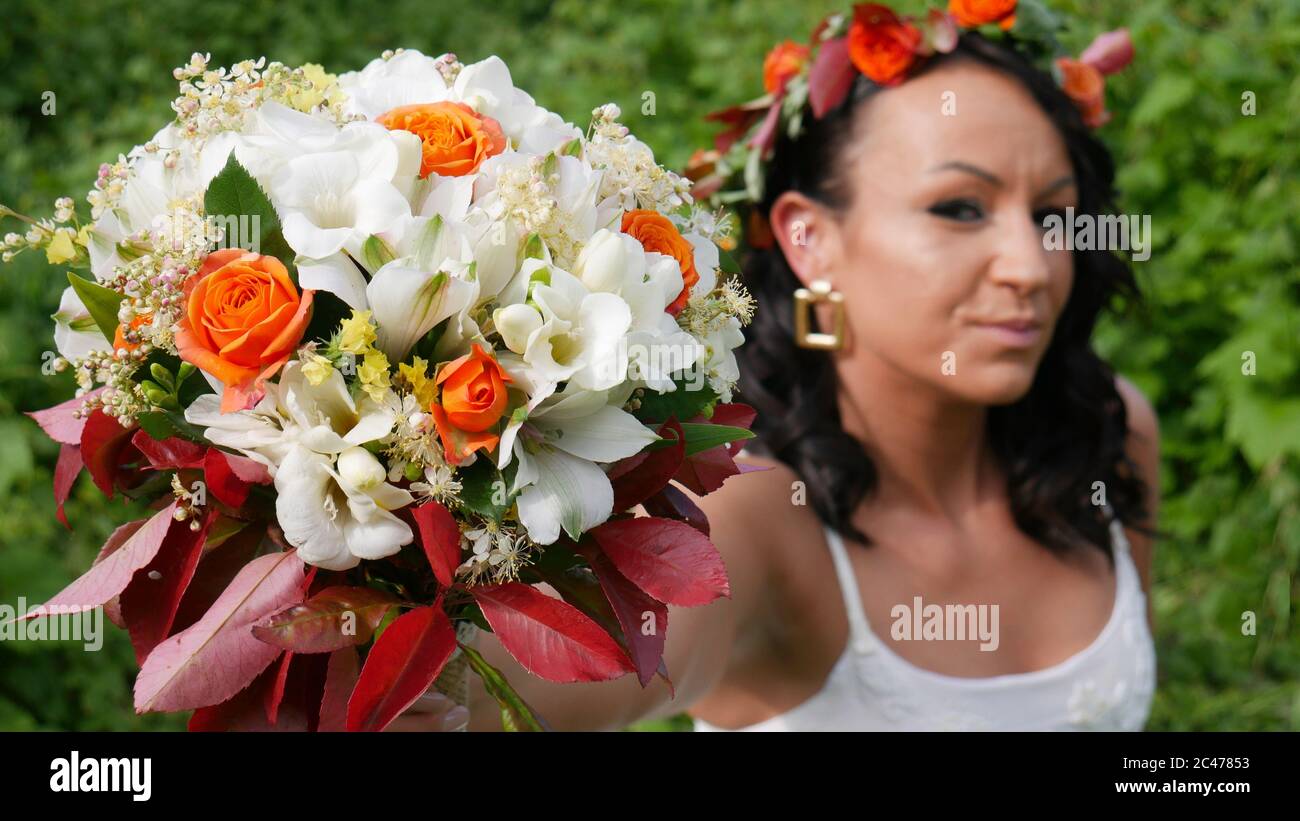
{"x": 243, "y": 319}
{"x": 119, "y": 336}
{"x": 783, "y": 62}
{"x": 972, "y": 13}
{"x": 656, "y": 232}
{"x": 473, "y": 399}
{"x": 455, "y": 138}
{"x": 1084, "y": 84}
{"x": 881, "y": 44}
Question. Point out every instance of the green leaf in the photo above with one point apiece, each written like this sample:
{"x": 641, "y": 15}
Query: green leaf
{"x": 516, "y": 715}
{"x": 101, "y": 302}
{"x": 156, "y": 424}
{"x": 683, "y": 403}
{"x": 478, "y": 483}
{"x": 727, "y": 262}
{"x": 233, "y": 195}
{"x": 701, "y": 436}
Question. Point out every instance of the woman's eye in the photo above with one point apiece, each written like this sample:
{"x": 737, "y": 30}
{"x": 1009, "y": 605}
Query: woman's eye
{"x": 1041, "y": 216}
{"x": 960, "y": 210}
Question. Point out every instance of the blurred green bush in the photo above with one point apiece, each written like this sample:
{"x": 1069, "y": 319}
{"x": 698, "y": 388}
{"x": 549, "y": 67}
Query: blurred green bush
{"x": 1221, "y": 187}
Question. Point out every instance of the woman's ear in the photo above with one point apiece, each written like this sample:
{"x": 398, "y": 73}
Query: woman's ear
{"x": 806, "y": 233}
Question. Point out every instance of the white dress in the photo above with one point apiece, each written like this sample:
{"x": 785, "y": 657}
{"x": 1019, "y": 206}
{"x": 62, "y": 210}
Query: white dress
{"x": 1106, "y": 686}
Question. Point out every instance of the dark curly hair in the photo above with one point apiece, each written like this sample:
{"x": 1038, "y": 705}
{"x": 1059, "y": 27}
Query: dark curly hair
{"x": 1067, "y": 432}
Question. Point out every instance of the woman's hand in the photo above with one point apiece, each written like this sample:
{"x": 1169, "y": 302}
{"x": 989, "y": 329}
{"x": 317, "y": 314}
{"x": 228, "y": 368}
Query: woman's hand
{"x": 432, "y": 713}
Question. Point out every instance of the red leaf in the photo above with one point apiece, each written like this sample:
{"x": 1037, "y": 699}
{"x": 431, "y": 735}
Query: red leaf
{"x": 651, "y": 474}
{"x": 440, "y": 537}
{"x": 103, "y": 441}
{"x": 340, "y": 680}
{"x": 671, "y": 503}
{"x": 217, "y": 569}
{"x": 704, "y": 472}
{"x": 120, "y": 560}
{"x": 169, "y": 453}
{"x": 405, "y": 660}
{"x": 223, "y": 482}
{"x": 550, "y": 638}
{"x": 335, "y": 618}
{"x": 632, "y": 606}
{"x": 671, "y": 561}
{"x": 736, "y": 415}
{"x": 764, "y": 138}
{"x": 275, "y": 691}
{"x": 254, "y": 473}
{"x": 243, "y": 712}
{"x": 113, "y": 607}
{"x": 66, "y": 472}
{"x": 285, "y": 697}
{"x": 218, "y": 656}
{"x": 830, "y": 77}
{"x": 148, "y": 605}
{"x": 60, "y": 424}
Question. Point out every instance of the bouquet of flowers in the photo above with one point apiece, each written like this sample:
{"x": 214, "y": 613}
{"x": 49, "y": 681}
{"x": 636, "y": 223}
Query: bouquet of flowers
{"x": 389, "y": 353}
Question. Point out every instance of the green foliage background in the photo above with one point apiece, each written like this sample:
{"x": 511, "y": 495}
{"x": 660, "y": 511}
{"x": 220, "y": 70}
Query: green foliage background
{"x": 1221, "y": 187}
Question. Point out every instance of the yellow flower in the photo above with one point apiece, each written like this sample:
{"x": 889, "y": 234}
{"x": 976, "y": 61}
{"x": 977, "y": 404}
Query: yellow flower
{"x": 83, "y": 236}
{"x": 308, "y": 98}
{"x": 60, "y": 249}
{"x": 373, "y": 374}
{"x": 417, "y": 376}
{"x": 357, "y": 334}
{"x": 316, "y": 368}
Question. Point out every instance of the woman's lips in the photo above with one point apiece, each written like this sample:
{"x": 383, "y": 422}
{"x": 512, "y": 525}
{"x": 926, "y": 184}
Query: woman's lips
{"x": 1018, "y": 333}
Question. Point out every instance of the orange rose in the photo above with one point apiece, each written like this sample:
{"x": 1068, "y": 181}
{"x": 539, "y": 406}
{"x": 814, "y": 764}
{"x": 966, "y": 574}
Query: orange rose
{"x": 784, "y": 61}
{"x": 972, "y": 13}
{"x": 656, "y": 232}
{"x": 881, "y": 44}
{"x": 473, "y": 399}
{"x": 456, "y": 139}
{"x": 1085, "y": 85}
{"x": 243, "y": 318}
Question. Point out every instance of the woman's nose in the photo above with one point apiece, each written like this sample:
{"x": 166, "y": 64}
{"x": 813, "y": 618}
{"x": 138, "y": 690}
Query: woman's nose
{"x": 1021, "y": 258}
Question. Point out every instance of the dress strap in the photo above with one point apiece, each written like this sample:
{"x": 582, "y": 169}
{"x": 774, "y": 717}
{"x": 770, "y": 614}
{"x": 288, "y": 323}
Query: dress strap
{"x": 860, "y": 635}
{"x": 1118, "y": 538}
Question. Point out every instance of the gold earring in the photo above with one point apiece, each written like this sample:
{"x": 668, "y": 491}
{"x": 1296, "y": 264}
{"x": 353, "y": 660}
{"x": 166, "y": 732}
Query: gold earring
{"x": 819, "y": 290}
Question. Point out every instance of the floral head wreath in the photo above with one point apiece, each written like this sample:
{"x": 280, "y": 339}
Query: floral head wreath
{"x": 887, "y": 48}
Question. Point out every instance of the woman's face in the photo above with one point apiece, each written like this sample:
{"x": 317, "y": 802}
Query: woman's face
{"x": 939, "y": 254}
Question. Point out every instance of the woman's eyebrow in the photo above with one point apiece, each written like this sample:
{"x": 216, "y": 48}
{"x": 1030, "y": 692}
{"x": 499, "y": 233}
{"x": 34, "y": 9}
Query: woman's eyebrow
{"x": 993, "y": 179}
{"x": 957, "y": 165}
{"x": 1063, "y": 182}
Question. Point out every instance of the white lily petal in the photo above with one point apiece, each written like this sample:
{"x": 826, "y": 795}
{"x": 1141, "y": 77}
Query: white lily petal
{"x": 607, "y": 435}
{"x": 569, "y": 492}
{"x": 336, "y": 274}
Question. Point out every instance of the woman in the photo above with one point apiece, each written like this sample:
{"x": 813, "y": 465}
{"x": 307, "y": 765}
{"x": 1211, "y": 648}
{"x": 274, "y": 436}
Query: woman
{"x": 960, "y": 445}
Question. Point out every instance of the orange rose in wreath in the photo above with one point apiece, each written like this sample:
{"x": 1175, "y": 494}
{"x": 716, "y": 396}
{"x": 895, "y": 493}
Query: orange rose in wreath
{"x": 882, "y": 45}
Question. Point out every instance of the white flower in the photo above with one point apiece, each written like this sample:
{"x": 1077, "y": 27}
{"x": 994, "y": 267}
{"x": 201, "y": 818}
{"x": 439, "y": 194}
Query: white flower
{"x": 616, "y": 263}
{"x": 558, "y": 449}
{"x": 404, "y": 79}
{"x": 75, "y": 332}
{"x": 334, "y": 199}
{"x": 332, "y": 500}
{"x": 571, "y": 334}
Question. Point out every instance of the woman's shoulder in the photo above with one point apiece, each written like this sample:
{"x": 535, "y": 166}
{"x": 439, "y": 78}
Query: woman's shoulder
{"x": 756, "y": 518}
